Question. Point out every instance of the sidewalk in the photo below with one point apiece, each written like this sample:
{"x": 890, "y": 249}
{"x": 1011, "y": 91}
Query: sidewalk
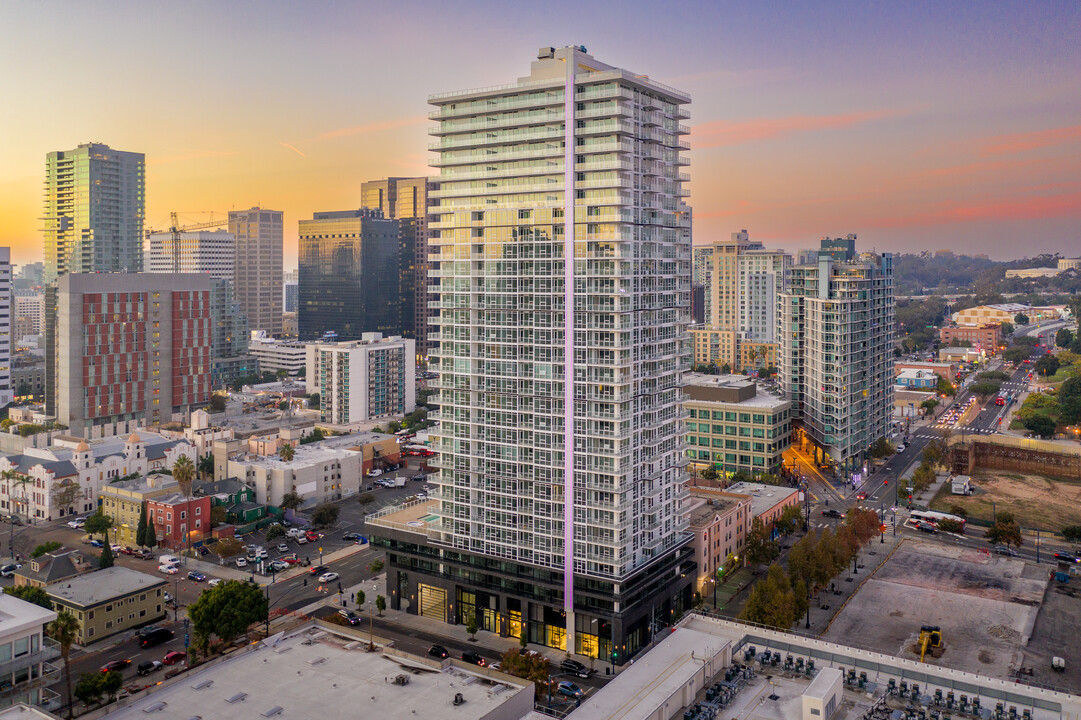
{"x": 229, "y": 571}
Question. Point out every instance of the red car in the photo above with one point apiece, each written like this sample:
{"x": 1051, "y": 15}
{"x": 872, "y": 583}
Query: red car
{"x": 289, "y": 559}
{"x": 312, "y": 536}
{"x": 115, "y": 665}
{"x": 173, "y": 658}
{"x": 861, "y": 495}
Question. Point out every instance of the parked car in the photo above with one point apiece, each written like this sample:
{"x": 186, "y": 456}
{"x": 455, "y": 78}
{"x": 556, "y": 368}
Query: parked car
{"x": 76, "y": 523}
{"x": 143, "y": 554}
{"x": 168, "y": 560}
{"x": 576, "y": 668}
{"x": 168, "y": 569}
{"x": 352, "y": 536}
{"x": 290, "y": 559}
{"x": 294, "y": 532}
{"x": 351, "y": 617}
{"x": 312, "y": 536}
{"x": 241, "y": 562}
{"x": 115, "y": 666}
{"x": 156, "y": 636}
{"x": 9, "y": 570}
{"x": 214, "y": 583}
{"x": 168, "y": 598}
{"x": 196, "y": 576}
{"x": 115, "y": 548}
{"x": 279, "y": 566}
{"x": 438, "y": 651}
{"x": 127, "y": 550}
{"x": 375, "y": 473}
{"x": 301, "y": 540}
{"x": 282, "y": 547}
{"x": 173, "y": 658}
{"x": 1004, "y": 550}
{"x": 94, "y": 542}
{"x": 145, "y": 668}
{"x": 471, "y": 657}
{"x": 328, "y": 577}
{"x": 569, "y": 689}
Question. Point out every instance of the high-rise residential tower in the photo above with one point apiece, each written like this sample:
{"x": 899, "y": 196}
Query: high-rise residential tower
{"x": 564, "y": 254}
{"x": 95, "y": 198}
{"x": 200, "y": 251}
{"x": 406, "y": 200}
{"x": 7, "y": 391}
{"x": 258, "y": 285}
{"x": 349, "y": 275}
{"x": 835, "y": 324}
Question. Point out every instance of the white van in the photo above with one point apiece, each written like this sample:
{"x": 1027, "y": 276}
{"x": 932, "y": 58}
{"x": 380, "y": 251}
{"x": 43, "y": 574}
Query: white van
{"x": 172, "y": 560}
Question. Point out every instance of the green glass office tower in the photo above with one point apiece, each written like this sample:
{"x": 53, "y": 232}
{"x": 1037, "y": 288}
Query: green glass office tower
{"x": 95, "y": 199}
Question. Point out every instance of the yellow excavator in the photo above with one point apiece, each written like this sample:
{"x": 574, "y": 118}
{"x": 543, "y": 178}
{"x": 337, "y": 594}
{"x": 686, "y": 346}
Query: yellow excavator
{"x": 930, "y": 637}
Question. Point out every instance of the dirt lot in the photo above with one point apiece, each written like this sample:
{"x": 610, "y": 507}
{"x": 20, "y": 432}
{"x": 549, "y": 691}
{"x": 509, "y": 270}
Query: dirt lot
{"x": 1035, "y": 501}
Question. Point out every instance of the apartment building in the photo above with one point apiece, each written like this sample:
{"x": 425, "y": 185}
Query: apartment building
{"x": 350, "y": 272}
{"x": 986, "y": 337}
{"x": 561, "y": 466}
{"x": 28, "y": 659}
{"x": 28, "y": 313}
{"x": 258, "y": 285}
{"x": 720, "y": 522}
{"x": 359, "y": 380}
{"x": 7, "y": 390}
{"x": 124, "y": 501}
{"x": 199, "y": 251}
{"x": 734, "y": 426}
{"x": 95, "y": 202}
{"x": 836, "y": 328}
{"x": 180, "y": 522}
{"x": 125, "y": 350}
{"x": 274, "y": 355}
{"x": 111, "y": 601}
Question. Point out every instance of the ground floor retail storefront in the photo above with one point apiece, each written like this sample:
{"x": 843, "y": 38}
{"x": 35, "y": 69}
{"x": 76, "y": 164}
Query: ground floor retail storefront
{"x": 510, "y": 599}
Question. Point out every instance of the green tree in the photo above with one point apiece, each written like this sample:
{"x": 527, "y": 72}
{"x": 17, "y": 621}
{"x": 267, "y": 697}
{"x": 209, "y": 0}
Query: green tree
{"x": 141, "y": 528}
{"x": 286, "y": 453}
{"x": 759, "y": 549}
{"x": 985, "y": 389}
{"x": 226, "y": 611}
{"x": 218, "y": 402}
{"x": 274, "y": 532}
{"x": 709, "y": 473}
{"x": 1041, "y": 426}
{"x": 1016, "y": 355}
{"x": 90, "y": 688}
{"x": 532, "y": 667}
{"x": 945, "y": 387}
{"x": 772, "y": 602}
{"x": 929, "y": 405}
{"x": 99, "y": 524}
{"x": 184, "y": 474}
{"x": 227, "y": 547}
{"x": 882, "y": 448}
{"x": 1020, "y": 319}
{"x": 1005, "y": 531}
{"x": 46, "y": 547}
{"x": 206, "y": 466}
{"x": 313, "y": 401}
{"x": 380, "y": 604}
{"x": 64, "y": 496}
{"x": 1047, "y": 365}
{"x": 959, "y": 511}
{"x": 790, "y": 519}
{"x": 31, "y": 594}
{"x": 106, "y": 560}
{"x": 951, "y": 526}
{"x": 471, "y": 625}
{"x": 726, "y": 369}
{"x": 65, "y": 631}
{"x": 1069, "y": 401}
{"x": 1072, "y": 533}
{"x": 217, "y": 515}
{"x": 366, "y": 498}
{"x": 1007, "y": 329}
{"x": 360, "y": 598}
{"x": 291, "y": 501}
{"x": 801, "y": 560}
{"x": 325, "y": 515}
{"x": 315, "y": 436}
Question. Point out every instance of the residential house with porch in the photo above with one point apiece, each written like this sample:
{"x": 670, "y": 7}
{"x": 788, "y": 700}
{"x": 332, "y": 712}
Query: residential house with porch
{"x": 237, "y": 498}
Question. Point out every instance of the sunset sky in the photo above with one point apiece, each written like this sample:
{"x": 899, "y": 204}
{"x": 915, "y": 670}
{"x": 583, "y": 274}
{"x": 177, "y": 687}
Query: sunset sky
{"x": 917, "y": 125}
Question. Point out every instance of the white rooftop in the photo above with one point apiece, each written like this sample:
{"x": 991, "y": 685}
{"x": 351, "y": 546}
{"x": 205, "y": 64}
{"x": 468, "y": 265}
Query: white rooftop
{"x": 317, "y": 674}
{"x": 17, "y": 616}
{"x": 103, "y": 585}
{"x": 763, "y": 497}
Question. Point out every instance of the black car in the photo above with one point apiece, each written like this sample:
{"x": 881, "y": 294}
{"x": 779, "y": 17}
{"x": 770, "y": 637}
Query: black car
{"x": 352, "y": 536}
{"x": 831, "y": 513}
{"x": 575, "y": 668}
{"x": 155, "y": 637}
{"x": 471, "y": 657}
{"x": 438, "y": 651}
{"x": 148, "y": 667}
{"x": 318, "y": 569}
{"x": 927, "y": 528}
{"x": 1067, "y": 557}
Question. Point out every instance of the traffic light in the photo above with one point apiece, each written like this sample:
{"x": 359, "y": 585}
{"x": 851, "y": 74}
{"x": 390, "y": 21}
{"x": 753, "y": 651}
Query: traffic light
{"x": 886, "y": 483}
{"x": 615, "y": 656}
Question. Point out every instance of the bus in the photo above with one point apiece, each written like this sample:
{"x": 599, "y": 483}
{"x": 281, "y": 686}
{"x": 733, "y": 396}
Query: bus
{"x": 934, "y": 518}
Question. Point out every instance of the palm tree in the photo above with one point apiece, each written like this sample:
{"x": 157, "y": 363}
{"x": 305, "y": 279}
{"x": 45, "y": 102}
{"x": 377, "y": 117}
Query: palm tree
{"x": 184, "y": 474}
{"x": 65, "y": 630}
{"x": 287, "y": 453}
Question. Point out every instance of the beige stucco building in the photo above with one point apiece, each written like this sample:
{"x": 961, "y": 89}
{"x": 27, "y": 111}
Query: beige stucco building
{"x": 123, "y": 502}
{"x": 720, "y": 522}
{"x": 110, "y": 601}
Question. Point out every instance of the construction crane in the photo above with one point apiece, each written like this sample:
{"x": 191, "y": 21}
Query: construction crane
{"x": 175, "y": 229}
{"x": 930, "y": 637}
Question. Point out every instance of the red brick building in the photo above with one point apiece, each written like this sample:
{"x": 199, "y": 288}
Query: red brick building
{"x": 987, "y": 337}
{"x": 179, "y": 522}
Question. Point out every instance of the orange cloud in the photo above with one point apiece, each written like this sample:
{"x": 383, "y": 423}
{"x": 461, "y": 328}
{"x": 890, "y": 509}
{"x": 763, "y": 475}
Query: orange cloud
{"x": 373, "y": 127}
{"x": 292, "y": 147}
{"x": 1000, "y": 209}
{"x": 1020, "y": 142}
{"x": 719, "y": 133}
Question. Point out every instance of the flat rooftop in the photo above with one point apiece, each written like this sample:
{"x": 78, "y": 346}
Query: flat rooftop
{"x": 418, "y": 516}
{"x": 103, "y": 585}
{"x": 314, "y": 672}
{"x": 738, "y": 390}
{"x": 763, "y": 497}
{"x": 17, "y": 615}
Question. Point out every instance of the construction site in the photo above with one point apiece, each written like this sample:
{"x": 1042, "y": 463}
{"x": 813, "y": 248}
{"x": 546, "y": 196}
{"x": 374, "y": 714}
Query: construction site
{"x": 964, "y": 608}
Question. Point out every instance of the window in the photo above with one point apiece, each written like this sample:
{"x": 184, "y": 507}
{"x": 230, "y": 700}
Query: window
{"x": 108, "y": 624}
{"x": 90, "y": 632}
{"x": 198, "y": 511}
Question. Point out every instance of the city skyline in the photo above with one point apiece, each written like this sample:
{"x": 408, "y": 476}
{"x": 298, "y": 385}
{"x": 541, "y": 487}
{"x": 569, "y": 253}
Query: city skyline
{"x": 918, "y": 127}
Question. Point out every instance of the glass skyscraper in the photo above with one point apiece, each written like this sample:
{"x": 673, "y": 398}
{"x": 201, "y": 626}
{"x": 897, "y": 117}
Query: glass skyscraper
{"x": 95, "y": 200}
{"x": 564, "y": 249}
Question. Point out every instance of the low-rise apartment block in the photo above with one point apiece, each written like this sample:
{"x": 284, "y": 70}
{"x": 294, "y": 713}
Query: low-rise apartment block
{"x": 27, "y": 656}
{"x": 110, "y": 601}
{"x": 767, "y": 501}
{"x": 733, "y": 425}
{"x": 986, "y": 337}
{"x": 374, "y": 377}
{"x": 179, "y": 522}
{"x": 123, "y": 502}
{"x": 720, "y": 522}
{"x": 945, "y": 370}
{"x": 274, "y": 355}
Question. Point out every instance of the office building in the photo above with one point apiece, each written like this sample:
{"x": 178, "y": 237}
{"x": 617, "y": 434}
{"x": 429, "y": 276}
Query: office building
{"x": 836, "y": 328}
{"x": 258, "y": 285}
{"x": 111, "y": 601}
{"x": 406, "y": 200}
{"x": 229, "y": 357}
{"x": 985, "y": 337}
{"x": 125, "y": 350}
{"x": 349, "y": 275}
{"x": 28, "y": 659}
{"x": 95, "y": 199}
{"x": 28, "y": 309}
{"x": 274, "y": 355}
{"x": 560, "y": 442}
{"x": 734, "y": 426}
{"x": 7, "y": 391}
{"x": 198, "y": 251}
{"x": 291, "y": 296}
{"x": 30, "y": 275}
{"x": 358, "y": 380}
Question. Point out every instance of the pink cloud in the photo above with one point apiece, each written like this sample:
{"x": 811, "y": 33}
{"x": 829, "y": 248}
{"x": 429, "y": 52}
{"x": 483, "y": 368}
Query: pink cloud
{"x": 1021, "y": 142}
{"x": 719, "y": 133}
{"x": 982, "y": 167}
{"x": 373, "y": 127}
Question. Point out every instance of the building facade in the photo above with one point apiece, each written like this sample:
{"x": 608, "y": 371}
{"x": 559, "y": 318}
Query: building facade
{"x": 349, "y": 275}
{"x": 200, "y": 251}
{"x": 110, "y": 601}
{"x": 373, "y": 377}
{"x": 229, "y": 357}
{"x": 720, "y": 522}
{"x": 985, "y": 337}
{"x": 179, "y": 522}
{"x": 124, "y": 501}
{"x": 274, "y": 355}
{"x": 28, "y": 659}
{"x": 987, "y": 314}
{"x": 7, "y": 390}
{"x": 836, "y": 329}
{"x": 946, "y": 371}
{"x": 95, "y": 201}
{"x": 125, "y": 350}
{"x": 28, "y": 310}
{"x": 734, "y": 426}
{"x": 259, "y": 236}
{"x": 564, "y": 278}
